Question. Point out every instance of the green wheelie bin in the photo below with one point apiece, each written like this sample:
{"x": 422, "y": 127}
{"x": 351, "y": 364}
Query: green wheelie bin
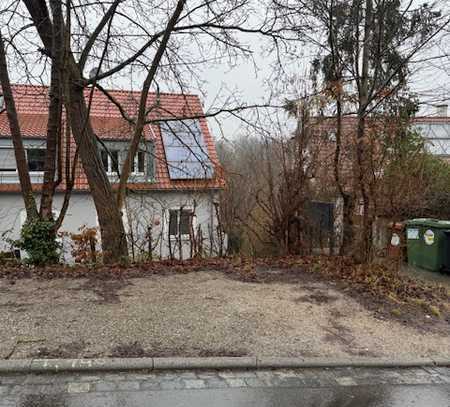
{"x": 428, "y": 244}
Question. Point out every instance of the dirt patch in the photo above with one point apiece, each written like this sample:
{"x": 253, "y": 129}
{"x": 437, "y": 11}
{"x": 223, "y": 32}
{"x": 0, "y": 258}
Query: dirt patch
{"x": 129, "y": 350}
{"x": 106, "y": 291}
{"x": 363, "y": 353}
{"x": 206, "y": 353}
{"x": 266, "y": 275}
{"x": 334, "y": 313}
{"x": 408, "y": 314}
{"x": 338, "y": 333}
{"x": 136, "y": 350}
{"x": 317, "y": 298}
{"x": 63, "y": 351}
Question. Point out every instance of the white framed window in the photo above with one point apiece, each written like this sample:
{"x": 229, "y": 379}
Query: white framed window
{"x": 7, "y": 161}
{"x": 181, "y": 222}
{"x": 110, "y": 160}
{"x": 138, "y": 165}
{"x": 36, "y": 159}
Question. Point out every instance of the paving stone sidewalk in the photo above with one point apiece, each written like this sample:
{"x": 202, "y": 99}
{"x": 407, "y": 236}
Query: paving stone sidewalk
{"x": 15, "y": 390}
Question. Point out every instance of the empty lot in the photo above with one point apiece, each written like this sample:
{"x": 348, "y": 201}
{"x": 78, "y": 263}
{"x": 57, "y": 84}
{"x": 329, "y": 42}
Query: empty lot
{"x": 204, "y": 313}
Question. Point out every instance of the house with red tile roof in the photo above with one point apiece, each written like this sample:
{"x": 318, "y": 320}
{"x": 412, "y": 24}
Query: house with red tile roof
{"x": 434, "y": 129}
{"x": 172, "y": 200}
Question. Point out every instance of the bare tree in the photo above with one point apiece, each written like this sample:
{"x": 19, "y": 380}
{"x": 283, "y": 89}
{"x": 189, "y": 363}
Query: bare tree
{"x": 265, "y": 207}
{"x": 19, "y": 151}
{"x": 160, "y": 51}
{"x": 45, "y": 242}
{"x": 365, "y": 52}
{"x": 54, "y": 125}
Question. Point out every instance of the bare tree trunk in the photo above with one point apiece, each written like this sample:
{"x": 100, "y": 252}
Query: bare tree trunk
{"x": 347, "y": 198}
{"x": 54, "y": 113}
{"x": 70, "y": 178}
{"x": 366, "y": 233}
{"x": 16, "y": 135}
{"x": 114, "y": 243}
{"x": 220, "y": 236}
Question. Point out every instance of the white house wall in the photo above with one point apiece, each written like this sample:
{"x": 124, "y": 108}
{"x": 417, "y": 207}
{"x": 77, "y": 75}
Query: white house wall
{"x": 152, "y": 210}
{"x": 144, "y": 210}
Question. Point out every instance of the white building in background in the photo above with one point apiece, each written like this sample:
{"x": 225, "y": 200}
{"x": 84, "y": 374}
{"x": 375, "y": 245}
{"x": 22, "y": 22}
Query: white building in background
{"x": 172, "y": 204}
{"x": 436, "y": 131}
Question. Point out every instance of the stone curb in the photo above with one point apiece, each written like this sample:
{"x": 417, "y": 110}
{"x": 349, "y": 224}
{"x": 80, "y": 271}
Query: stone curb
{"x": 205, "y": 363}
{"x": 129, "y": 364}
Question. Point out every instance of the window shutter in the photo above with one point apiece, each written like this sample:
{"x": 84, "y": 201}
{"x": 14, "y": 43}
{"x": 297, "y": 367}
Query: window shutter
{"x": 185, "y": 222}
{"x": 173, "y": 222}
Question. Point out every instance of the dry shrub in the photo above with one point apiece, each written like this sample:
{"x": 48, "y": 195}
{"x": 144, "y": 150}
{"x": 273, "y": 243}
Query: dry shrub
{"x": 385, "y": 281}
{"x": 84, "y": 246}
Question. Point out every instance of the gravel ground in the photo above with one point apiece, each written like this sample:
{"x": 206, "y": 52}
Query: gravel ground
{"x": 198, "y": 314}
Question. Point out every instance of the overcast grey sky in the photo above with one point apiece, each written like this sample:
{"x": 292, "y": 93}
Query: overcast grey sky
{"x": 431, "y": 82}
{"x": 430, "y": 77}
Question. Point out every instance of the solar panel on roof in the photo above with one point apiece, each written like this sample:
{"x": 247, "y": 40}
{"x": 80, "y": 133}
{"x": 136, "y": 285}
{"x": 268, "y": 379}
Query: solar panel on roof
{"x": 186, "y": 152}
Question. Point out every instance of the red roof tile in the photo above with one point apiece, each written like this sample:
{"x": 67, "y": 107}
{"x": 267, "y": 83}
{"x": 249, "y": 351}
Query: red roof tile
{"x": 108, "y": 123}
{"x": 32, "y": 125}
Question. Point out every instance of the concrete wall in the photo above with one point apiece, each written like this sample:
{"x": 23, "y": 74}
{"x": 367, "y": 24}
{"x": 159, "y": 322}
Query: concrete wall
{"x": 146, "y": 221}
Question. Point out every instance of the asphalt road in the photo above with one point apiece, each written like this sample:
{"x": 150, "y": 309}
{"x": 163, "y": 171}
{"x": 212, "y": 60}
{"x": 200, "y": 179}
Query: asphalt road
{"x": 307, "y": 388}
{"x": 363, "y": 396}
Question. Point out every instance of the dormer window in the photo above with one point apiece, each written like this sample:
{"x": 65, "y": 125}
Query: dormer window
{"x": 138, "y": 165}
{"x": 36, "y": 159}
{"x": 110, "y": 160}
{"x": 114, "y": 153}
